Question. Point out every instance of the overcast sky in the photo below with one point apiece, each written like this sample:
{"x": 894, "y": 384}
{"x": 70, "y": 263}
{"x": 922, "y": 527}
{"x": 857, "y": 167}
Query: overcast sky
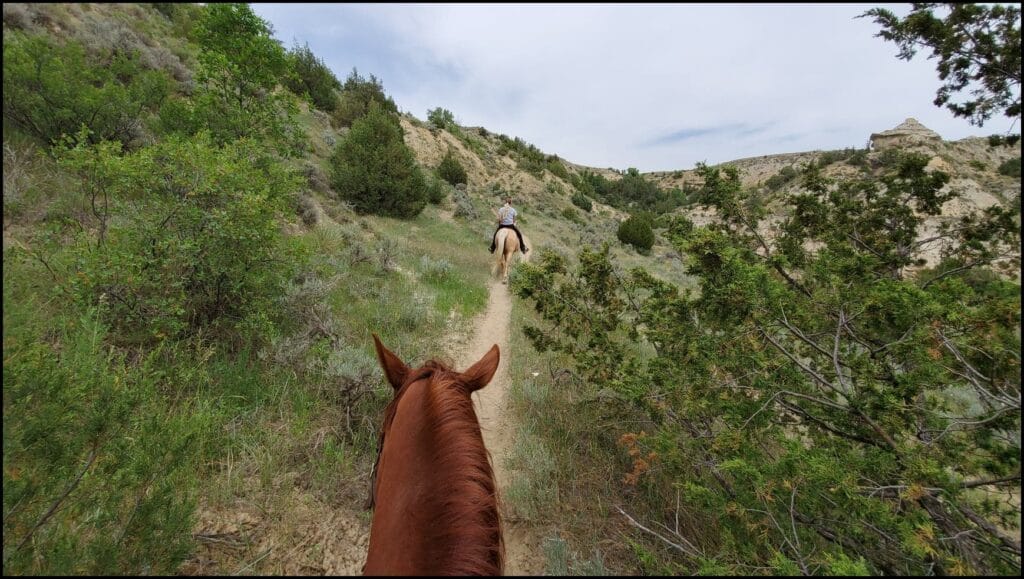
{"x": 652, "y": 86}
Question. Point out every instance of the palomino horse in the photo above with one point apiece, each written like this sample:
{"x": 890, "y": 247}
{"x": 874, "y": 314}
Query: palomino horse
{"x": 507, "y": 244}
{"x": 433, "y": 490}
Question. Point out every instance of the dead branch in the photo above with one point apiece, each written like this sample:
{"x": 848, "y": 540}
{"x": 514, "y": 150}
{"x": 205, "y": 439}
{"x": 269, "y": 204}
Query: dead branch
{"x": 689, "y": 549}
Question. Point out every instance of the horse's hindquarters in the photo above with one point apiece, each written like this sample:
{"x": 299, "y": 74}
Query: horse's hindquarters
{"x": 509, "y": 245}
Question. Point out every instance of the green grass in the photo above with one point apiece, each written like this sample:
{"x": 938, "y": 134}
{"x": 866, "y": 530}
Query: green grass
{"x": 429, "y": 240}
{"x": 560, "y": 560}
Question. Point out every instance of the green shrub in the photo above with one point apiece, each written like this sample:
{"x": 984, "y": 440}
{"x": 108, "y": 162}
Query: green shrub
{"x": 441, "y": 118}
{"x": 166, "y": 8}
{"x": 464, "y": 206}
{"x": 890, "y": 157}
{"x": 51, "y": 90}
{"x": 451, "y": 170}
{"x": 437, "y": 270}
{"x": 188, "y": 235}
{"x": 580, "y": 200}
{"x": 99, "y": 470}
{"x": 1010, "y": 168}
{"x": 311, "y": 77}
{"x": 690, "y": 193}
{"x": 632, "y": 192}
{"x": 306, "y": 208}
{"x": 772, "y": 363}
{"x": 859, "y": 158}
{"x": 528, "y": 157}
{"x": 240, "y": 66}
{"x": 28, "y": 177}
{"x": 356, "y": 96}
{"x": 785, "y": 175}
{"x": 374, "y": 169}
{"x": 637, "y": 231}
{"x": 554, "y": 188}
{"x": 584, "y": 182}
{"x": 829, "y": 157}
{"x": 995, "y": 140}
{"x": 437, "y": 190}
{"x": 17, "y": 16}
{"x": 571, "y": 214}
{"x": 556, "y": 167}
{"x": 236, "y": 34}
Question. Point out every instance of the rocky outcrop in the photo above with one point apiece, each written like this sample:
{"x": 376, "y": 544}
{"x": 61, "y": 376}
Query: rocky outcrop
{"x": 908, "y": 134}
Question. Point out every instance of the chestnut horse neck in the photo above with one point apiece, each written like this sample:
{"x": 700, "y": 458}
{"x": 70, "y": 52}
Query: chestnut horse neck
{"x": 435, "y": 501}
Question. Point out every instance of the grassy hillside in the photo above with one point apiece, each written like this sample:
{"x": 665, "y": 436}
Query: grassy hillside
{"x": 256, "y": 416}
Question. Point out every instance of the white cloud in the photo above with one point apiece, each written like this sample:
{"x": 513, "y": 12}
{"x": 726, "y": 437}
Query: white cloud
{"x": 604, "y": 85}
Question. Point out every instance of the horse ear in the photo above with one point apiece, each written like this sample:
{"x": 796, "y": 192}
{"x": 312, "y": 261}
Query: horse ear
{"x": 394, "y": 369}
{"x": 479, "y": 375}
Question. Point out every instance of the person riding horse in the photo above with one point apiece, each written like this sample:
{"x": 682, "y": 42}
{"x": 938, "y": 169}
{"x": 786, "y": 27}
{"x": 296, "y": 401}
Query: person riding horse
{"x": 507, "y": 218}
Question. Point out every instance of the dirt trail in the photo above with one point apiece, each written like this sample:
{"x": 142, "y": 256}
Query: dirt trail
{"x": 523, "y": 553}
{"x": 303, "y": 534}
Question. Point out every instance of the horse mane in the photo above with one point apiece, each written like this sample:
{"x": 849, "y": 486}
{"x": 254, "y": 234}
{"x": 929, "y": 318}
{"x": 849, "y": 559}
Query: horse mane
{"x": 469, "y": 502}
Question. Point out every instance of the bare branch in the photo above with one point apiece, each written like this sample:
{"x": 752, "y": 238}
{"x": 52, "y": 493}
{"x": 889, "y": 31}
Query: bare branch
{"x": 835, "y": 352}
{"x": 793, "y": 548}
{"x": 958, "y": 423}
{"x": 799, "y": 334}
{"x": 67, "y": 491}
{"x": 689, "y": 549}
{"x": 831, "y": 428}
{"x": 893, "y": 491}
{"x": 759, "y": 410}
{"x": 992, "y": 481}
{"x": 792, "y": 518}
{"x": 807, "y": 370}
{"x": 1008, "y": 542}
{"x": 890, "y": 344}
{"x": 967, "y": 266}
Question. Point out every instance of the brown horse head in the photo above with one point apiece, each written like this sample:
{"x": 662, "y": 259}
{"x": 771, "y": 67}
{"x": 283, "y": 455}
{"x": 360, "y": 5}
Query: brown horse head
{"x": 433, "y": 490}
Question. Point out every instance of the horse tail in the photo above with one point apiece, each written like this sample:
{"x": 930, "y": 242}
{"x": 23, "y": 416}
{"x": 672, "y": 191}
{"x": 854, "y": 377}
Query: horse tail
{"x": 499, "y": 250}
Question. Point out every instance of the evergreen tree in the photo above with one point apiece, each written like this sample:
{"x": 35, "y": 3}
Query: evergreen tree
{"x": 451, "y": 170}
{"x": 374, "y": 169}
{"x": 356, "y": 96}
{"x": 637, "y": 231}
{"x": 311, "y": 77}
{"x": 977, "y": 46}
{"x": 827, "y": 403}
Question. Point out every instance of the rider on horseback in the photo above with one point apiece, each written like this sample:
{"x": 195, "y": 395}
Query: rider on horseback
{"x": 507, "y": 218}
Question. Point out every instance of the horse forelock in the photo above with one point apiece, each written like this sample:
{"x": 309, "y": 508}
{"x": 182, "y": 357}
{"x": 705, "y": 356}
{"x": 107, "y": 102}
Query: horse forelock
{"x": 468, "y": 517}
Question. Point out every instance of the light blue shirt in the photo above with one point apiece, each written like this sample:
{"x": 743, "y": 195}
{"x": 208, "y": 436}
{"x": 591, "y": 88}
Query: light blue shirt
{"x": 507, "y": 214}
